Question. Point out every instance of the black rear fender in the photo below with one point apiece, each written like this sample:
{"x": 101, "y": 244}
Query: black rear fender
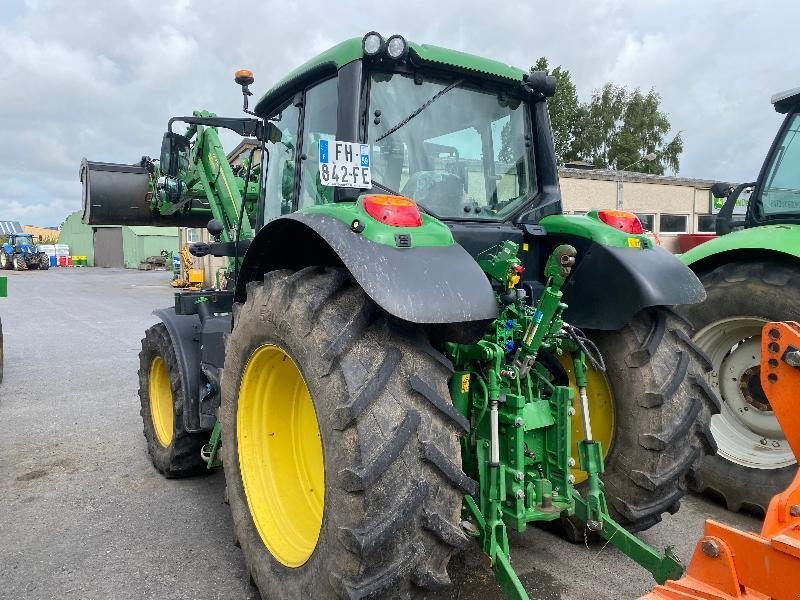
{"x": 610, "y": 285}
{"x": 422, "y": 285}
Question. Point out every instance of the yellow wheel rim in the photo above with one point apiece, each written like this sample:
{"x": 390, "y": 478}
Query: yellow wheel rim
{"x": 161, "y": 411}
{"x": 601, "y": 411}
{"x": 280, "y": 455}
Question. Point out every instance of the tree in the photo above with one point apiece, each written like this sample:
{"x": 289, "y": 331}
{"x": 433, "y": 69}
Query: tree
{"x": 617, "y": 127}
{"x": 562, "y": 107}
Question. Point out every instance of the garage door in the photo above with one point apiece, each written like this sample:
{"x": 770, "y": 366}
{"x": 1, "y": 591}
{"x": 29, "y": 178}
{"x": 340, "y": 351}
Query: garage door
{"x": 108, "y": 247}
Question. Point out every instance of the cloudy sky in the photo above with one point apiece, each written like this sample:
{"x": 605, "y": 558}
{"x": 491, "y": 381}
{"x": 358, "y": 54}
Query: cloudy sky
{"x": 100, "y": 79}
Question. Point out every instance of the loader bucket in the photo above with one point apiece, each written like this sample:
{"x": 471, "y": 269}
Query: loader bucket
{"x": 116, "y": 194}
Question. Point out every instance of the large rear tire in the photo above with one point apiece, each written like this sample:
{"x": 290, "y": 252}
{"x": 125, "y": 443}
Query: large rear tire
{"x": 5, "y": 260}
{"x": 661, "y": 406}
{"x": 754, "y": 462}
{"x": 367, "y": 419}
{"x": 174, "y": 451}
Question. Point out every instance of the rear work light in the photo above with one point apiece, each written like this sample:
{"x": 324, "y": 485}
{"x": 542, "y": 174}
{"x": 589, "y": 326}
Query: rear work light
{"x": 397, "y": 211}
{"x": 621, "y": 219}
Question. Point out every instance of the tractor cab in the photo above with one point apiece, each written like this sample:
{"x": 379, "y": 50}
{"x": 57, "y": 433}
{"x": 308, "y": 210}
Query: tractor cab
{"x": 775, "y": 196}
{"x": 466, "y": 139}
{"x": 461, "y": 157}
{"x": 22, "y": 242}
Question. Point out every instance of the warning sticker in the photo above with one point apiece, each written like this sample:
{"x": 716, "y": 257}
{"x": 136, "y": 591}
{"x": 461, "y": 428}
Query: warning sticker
{"x": 344, "y": 164}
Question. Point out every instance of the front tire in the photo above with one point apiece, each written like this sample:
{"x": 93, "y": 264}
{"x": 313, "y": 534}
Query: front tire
{"x": 19, "y": 263}
{"x": 662, "y": 407}
{"x": 754, "y": 461}
{"x": 174, "y": 451}
{"x": 383, "y": 442}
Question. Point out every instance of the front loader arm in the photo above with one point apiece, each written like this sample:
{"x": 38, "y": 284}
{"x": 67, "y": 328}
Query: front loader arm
{"x": 220, "y": 184}
{"x": 209, "y": 177}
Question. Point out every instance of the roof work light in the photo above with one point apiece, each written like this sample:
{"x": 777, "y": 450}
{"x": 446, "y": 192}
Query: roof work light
{"x": 396, "y": 47}
{"x": 373, "y": 44}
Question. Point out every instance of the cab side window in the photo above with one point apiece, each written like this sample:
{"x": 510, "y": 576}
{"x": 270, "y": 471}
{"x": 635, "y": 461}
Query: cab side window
{"x": 319, "y": 123}
{"x": 280, "y": 166}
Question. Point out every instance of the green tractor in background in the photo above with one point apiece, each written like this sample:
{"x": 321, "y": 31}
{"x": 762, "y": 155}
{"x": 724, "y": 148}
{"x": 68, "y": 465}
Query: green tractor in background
{"x": 415, "y": 347}
{"x": 751, "y": 274}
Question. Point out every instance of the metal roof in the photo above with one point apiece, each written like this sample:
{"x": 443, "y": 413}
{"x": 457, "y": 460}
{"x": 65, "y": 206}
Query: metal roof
{"x": 7, "y": 227}
{"x": 633, "y": 176}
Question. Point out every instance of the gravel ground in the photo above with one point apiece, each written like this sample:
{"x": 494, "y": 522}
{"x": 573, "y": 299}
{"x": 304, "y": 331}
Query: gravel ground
{"x": 83, "y": 515}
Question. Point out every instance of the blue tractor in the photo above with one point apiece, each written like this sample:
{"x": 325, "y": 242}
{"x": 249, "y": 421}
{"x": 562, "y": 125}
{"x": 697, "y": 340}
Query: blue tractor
{"x": 21, "y": 253}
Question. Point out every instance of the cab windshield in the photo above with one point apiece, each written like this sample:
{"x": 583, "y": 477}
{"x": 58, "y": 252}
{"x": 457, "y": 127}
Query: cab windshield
{"x": 458, "y": 151}
{"x": 780, "y": 195}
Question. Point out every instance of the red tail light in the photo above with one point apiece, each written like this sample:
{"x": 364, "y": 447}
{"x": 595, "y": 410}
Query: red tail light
{"x": 397, "y": 211}
{"x": 621, "y": 219}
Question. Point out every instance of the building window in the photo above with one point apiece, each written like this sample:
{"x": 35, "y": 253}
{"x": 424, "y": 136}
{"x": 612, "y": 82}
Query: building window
{"x": 673, "y": 223}
{"x": 193, "y": 235}
{"x": 648, "y": 220}
{"x": 706, "y": 223}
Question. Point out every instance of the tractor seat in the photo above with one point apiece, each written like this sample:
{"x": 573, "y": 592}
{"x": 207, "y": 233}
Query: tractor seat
{"x": 441, "y": 193}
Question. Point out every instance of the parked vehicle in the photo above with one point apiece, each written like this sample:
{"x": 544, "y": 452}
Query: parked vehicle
{"x": 416, "y": 348}
{"x": 21, "y": 253}
{"x": 751, "y": 273}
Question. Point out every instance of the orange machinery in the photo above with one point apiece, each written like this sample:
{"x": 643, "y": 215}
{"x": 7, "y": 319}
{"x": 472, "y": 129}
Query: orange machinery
{"x": 194, "y": 277}
{"x": 730, "y": 564}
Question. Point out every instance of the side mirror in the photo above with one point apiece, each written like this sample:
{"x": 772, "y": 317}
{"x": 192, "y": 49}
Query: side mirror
{"x": 174, "y": 153}
{"x": 724, "y": 222}
{"x": 539, "y": 83}
{"x": 721, "y": 190}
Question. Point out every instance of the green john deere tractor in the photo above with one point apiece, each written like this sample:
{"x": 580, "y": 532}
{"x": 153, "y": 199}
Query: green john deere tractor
{"x": 414, "y": 348}
{"x": 751, "y": 273}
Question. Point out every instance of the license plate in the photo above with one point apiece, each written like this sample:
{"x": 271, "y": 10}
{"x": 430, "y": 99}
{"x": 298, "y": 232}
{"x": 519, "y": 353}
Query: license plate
{"x": 344, "y": 164}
